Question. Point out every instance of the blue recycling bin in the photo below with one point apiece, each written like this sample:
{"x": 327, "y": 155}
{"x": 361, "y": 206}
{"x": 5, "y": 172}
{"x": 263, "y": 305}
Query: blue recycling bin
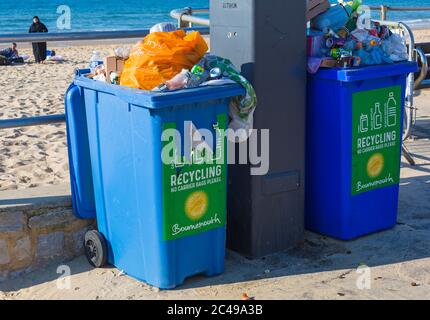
{"x": 160, "y": 208}
{"x": 354, "y": 138}
{"x": 81, "y": 177}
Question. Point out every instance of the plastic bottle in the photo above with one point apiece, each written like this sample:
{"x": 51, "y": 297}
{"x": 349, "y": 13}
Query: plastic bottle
{"x": 336, "y": 53}
{"x": 351, "y": 24}
{"x": 335, "y": 42}
{"x": 185, "y": 79}
{"x": 114, "y": 78}
{"x": 163, "y": 27}
{"x": 356, "y": 5}
{"x": 95, "y": 60}
{"x": 197, "y": 76}
{"x": 179, "y": 81}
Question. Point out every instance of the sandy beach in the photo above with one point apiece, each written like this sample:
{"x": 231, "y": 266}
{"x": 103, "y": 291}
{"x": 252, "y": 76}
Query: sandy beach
{"x": 321, "y": 268}
{"x": 422, "y": 35}
{"x": 37, "y": 156}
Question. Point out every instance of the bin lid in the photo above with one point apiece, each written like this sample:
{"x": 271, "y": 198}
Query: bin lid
{"x": 366, "y": 73}
{"x": 156, "y": 100}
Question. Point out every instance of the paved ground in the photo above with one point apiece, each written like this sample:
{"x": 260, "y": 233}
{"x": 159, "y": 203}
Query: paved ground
{"x": 321, "y": 268}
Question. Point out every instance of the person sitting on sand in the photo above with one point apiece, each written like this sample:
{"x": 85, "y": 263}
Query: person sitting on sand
{"x": 39, "y": 48}
{"x": 9, "y": 55}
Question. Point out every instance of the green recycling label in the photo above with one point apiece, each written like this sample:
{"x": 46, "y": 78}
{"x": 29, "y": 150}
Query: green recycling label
{"x": 376, "y": 139}
{"x": 194, "y": 187}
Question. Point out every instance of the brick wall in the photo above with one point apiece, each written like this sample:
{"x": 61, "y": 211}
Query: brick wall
{"x": 31, "y": 237}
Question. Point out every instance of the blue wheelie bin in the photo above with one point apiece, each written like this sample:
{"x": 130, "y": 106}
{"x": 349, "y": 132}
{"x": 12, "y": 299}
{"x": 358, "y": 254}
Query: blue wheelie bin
{"x": 161, "y": 211}
{"x": 354, "y": 138}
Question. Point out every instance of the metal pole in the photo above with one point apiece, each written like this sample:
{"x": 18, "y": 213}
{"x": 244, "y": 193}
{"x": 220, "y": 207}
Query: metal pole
{"x": 408, "y": 156}
{"x": 32, "y": 121}
{"x": 424, "y": 67}
{"x": 185, "y": 15}
{"x": 410, "y": 82}
{"x": 384, "y": 10}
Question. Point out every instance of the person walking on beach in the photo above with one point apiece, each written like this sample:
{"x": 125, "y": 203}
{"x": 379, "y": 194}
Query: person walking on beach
{"x": 39, "y": 48}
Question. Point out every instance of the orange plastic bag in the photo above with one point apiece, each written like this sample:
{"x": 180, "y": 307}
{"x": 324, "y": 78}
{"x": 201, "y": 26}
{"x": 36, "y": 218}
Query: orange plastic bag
{"x": 161, "y": 56}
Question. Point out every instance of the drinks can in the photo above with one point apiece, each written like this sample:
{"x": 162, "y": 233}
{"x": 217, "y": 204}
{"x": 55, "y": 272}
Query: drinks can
{"x": 215, "y": 73}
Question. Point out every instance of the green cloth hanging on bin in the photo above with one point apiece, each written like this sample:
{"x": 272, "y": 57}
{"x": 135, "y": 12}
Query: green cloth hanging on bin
{"x": 243, "y": 106}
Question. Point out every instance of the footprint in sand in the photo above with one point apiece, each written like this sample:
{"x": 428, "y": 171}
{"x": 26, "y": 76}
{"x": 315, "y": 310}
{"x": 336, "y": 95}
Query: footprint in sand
{"x": 24, "y": 179}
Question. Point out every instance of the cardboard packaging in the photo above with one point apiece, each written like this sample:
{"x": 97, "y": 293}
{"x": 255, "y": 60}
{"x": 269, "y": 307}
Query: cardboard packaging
{"x": 315, "y": 8}
{"x": 113, "y": 64}
{"x": 329, "y": 63}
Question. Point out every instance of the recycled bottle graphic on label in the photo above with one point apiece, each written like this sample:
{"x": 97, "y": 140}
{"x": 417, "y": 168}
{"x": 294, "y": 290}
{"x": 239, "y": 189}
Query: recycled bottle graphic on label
{"x": 391, "y": 111}
{"x": 377, "y": 117}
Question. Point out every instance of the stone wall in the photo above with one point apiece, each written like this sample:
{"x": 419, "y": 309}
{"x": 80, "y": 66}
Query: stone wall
{"x": 31, "y": 237}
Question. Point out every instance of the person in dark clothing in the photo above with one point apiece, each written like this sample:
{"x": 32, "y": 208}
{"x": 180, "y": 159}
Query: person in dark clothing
{"x": 39, "y": 48}
{"x": 9, "y": 55}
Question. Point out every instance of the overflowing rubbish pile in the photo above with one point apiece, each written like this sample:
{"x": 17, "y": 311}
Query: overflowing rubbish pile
{"x": 343, "y": 35}
{"x": 170, "y": 59}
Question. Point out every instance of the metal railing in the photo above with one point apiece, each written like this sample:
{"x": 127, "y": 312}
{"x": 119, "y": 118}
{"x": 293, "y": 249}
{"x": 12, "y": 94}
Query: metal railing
{"x": 384, "y": 9}
{"x": 409, "y": 101}
{"x": 82, "y": 36}
{"x": 67, "y": 36}
{"x": 186, "y": 18}
{"x": 31, "y": 121}
{"x": 423, "y": 58}
{"x": 410, "y": 110}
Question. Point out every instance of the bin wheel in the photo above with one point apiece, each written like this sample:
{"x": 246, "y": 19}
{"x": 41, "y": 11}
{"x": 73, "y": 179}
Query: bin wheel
{"x": 95, "y": 248}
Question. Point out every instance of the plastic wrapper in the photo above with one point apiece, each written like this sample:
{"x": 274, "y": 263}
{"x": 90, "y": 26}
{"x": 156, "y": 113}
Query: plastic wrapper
{"x": 241, "y": 108}
{"x": 122, "y": 53}
{"x": 335, "y": 18}
{"x": 395, "y": 47}
{"x": 163, "y": 27}
{"x": 160, "y": 57}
